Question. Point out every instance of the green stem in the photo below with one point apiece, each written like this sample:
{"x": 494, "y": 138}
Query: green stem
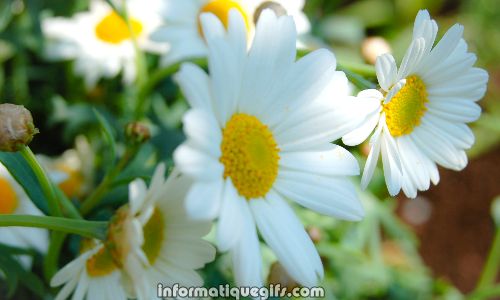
{"x": 359, "y": 81}
{"x": 490, "y": 270}
{"x": 487, "y": 293}
{"x": 361, "y": 69}
{"x": 155, "y": 78}
{"x": 91, "y": 229}
{"x": 93, "y": 200}
{"x": 68, "y": 208}
{"x": 50, "y": 263}
{"x": 358, "y": 68}
{"x": 44, "y": 181}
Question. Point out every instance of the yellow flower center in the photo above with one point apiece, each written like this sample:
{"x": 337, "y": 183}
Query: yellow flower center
{"x": 8, "y": 197}
{"x": 72, "y": 186}
{"x": 250, "y": 155}
{"x": 101, "y": 263}
{"x": 405, "y": 110}
{"x": 153, "y": 236}
{"x": 221, "y": 9}
{"x": 113, "y": 29}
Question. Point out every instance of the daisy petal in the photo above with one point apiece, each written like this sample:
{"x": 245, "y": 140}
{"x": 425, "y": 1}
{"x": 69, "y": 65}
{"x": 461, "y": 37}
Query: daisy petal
{"x": 412, "y": 58}
{"x": 326, "y": 195}
{"x": 247, "y": 261}
{"x": 203, "y": 131}
{"x": 204, "y": 199}
{"x": 387, "y": 71}
{"x": 195, "y": 85}
{"x": 335, "y": 161}
{"x": 196, "y": 163}
{"x": 230, "y": 225}
{"x": 286, "y": 236}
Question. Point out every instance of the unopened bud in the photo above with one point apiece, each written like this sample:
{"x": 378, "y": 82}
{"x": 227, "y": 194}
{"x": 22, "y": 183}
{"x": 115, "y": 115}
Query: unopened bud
{"x": 16, "y": 127}
{"x": 137, "y": 132}
{"x": 373, "y": 47}
{"x": 278, "y": 9}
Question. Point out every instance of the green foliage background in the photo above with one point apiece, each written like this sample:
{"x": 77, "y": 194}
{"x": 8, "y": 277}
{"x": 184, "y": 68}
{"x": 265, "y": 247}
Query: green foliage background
{"x": 357, "y": 259}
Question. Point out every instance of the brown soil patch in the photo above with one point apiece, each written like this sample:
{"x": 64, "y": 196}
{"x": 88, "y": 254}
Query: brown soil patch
{"x": 456, "y": 238}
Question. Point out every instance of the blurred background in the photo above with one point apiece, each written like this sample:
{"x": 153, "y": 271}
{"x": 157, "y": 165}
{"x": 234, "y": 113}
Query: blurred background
{"x": 433, "y": 247}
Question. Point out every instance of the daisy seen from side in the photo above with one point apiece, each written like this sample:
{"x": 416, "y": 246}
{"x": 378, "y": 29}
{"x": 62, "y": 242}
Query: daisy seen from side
{"x": 419, "y": 117}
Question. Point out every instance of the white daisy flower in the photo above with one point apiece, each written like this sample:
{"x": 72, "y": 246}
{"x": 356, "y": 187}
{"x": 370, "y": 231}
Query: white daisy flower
{"x": 420, "y": 114}
{"x": 93, "y": 275}
{"x": 182, "y": 29}
{"x": 100, "y": 41}
{"x": 155, "y": 240}
{"x": 259, "y": 134}
{"x": 73, "y": 170}
{"x": 14, "y": 201}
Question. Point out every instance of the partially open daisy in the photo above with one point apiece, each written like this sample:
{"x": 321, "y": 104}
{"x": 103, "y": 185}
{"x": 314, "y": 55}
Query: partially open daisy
{"x": 420, "y": 114}
{"x": 92, "y": 275}
{"x": 259, "y": 133}
{"x": 13, "y": 200}
{"x": 182, "y": 29}
{"x": 154, "y": 241}
{"x": 100, "y": 40}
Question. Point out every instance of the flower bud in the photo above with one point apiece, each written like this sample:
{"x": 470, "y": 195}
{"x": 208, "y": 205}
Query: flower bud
{"x": 278, "y": 9}
{"x": 16, "y": 127}
{"x": 372, "y": 47}
{"x": 137, "y": 132}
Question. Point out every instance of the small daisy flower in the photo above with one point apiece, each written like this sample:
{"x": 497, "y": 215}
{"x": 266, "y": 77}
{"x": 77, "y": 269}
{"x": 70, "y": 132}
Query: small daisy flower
{"x": 93, "y": 275}
{"x": 259, "y": 133}
{"x": 155, "y": 241}
{"x": 73, "y": 170}
{"x": 14, "y": 201}
{"x": 182, "y": 29}
{"x": 100, "y": 41}
{"x": 419, "y": 117}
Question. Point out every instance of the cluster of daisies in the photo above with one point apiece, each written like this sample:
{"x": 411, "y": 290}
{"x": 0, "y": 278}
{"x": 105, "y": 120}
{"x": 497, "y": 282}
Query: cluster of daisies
{"x": 259, "y": 137}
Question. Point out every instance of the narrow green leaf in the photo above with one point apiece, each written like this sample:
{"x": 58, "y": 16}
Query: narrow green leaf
{"x": 22, "y": 173}
{"x": 108, "y": 135}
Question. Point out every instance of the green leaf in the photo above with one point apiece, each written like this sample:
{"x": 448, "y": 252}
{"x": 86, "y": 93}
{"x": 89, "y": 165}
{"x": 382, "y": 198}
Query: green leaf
{"x": 8, "y": 267}
{"x": 108, "y": 135}
{"x": 22, "y": 173}
{"x": 15, "y": 273}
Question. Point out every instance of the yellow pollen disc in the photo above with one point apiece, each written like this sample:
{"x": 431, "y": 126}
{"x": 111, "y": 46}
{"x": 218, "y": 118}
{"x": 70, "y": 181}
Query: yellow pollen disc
{"x": 250, "y": 155}
{"x": 405, "y": 110}
{"x": 113, "y": 29}
{"x": 153, "y": 236}
{"x": 72, "y": 186}
{"x": 8, "y": 197}
{"x": 221, "y": 9}
{"x": 101, "y": 263}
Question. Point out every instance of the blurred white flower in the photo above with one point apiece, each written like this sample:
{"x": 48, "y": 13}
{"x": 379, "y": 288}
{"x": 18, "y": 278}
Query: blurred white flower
{"x": 151, "y": 240}
{"x": 92, "y": 275}
{"x": 72, "y": 171}
{"x": 155, "y": 241}
{"x": 100, "y": 41}
{"x": 259, "y": 133}
{"x": 14, "y": 201}
{"x": 182, "y": 28}
{"x": 420, "y": 114}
